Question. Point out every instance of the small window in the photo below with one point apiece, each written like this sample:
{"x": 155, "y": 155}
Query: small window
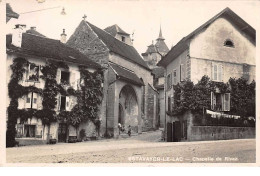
{"x": 217, "y": 72}
{"x": 220, "y": 101}
{"x": 174, "y": 77}
{"x": 62, "y": 103}
{"x": 169, "y": 82}
{"x": 229, "y": 43}
{"x": 33, "y": 72}
{"x": 65, "y": 77}
{"x": 123, "y": 39}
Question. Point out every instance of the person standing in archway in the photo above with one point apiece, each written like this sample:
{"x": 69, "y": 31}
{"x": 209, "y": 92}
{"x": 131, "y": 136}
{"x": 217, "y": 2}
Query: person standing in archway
{"x": 129, "y": 130}
{"x": 119, "y": 127}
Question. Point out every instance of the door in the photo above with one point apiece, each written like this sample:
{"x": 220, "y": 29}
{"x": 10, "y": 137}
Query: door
{"x": 169, "y": 132}
{"x": 62, "y": 132}
{"x": 176, "y": 131}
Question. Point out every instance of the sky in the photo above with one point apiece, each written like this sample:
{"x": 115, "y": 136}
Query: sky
{"x": 143, "y": 17}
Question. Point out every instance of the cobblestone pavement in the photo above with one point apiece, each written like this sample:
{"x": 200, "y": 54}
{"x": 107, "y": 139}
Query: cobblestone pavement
{"x": 144, "y": 148}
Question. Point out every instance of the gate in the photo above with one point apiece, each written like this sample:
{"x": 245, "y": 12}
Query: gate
{"x": 62, "y": 132}
{"x": 174, "y": 132}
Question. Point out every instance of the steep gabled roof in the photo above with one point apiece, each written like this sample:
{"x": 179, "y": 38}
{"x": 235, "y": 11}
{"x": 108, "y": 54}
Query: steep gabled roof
{"x": 114, "y": 29}
{"x": 49, "y": 48}
{"x": 183, "y": 44}
{"x": 118, "y": 47}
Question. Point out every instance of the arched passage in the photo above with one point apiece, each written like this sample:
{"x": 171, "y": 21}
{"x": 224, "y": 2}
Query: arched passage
{"x": 128, "y": 108}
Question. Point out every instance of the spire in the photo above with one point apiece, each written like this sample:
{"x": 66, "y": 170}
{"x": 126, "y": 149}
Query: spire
{"x": 160, "y": 34}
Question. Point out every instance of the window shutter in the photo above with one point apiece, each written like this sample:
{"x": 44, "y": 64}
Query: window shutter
{"x": 58, "y": 102}
{"x": 34, "y": 101}
{"x": 172, "y": 102}
{"x": 40, "y": 71}
{"x": 67, "y": 108}
{"x": 182, "y": 72}
{"x": 28, "y": 100}
{"x": 58, "y": 76}
{"x": 213, "y": 100}
{"x": 77, "y": 79}
{"x": 28, "y": 72}
{"x": 212, "y": 70}
{"x": 73, "y": 79}
{"x": 227, "y": 102}
{"x": 174, "y": 77}
{"x": 219, "y": 72}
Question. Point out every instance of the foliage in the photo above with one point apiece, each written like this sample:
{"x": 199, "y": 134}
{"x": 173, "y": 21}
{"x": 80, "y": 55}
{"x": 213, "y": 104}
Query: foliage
{"x": 188, "y": 96}
{"x": 89, "y": 97}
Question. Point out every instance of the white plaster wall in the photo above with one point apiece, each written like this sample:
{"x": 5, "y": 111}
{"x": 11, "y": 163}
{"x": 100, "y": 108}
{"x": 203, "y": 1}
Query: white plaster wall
{"x": 209, "y": 44}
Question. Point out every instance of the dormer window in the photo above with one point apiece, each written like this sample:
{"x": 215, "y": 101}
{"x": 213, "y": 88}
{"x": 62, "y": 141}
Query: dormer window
{"x": 123, "y": 39}
{"x": 229, "y": 43}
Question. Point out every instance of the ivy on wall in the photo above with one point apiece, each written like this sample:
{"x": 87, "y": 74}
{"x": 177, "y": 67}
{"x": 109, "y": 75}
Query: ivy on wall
{"x": 89, "y": 97}
{"x": 188, "y": 96}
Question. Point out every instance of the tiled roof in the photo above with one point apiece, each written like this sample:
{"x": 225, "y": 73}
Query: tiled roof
{"x": 126, "y": 74}
{"x": 49, "y": 48}
{"x": 34, "y": 32}
{"x": 118, "y": 47}
{"x": 114, "y": 29}
{"x": 161, "y": 46}
{"x": 10, "y": 13}
{"x": 184, "y": 42}
{"x": 158, "y": 72}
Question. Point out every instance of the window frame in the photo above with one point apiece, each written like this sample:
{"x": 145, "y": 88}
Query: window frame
{"x": 29, "y": 70}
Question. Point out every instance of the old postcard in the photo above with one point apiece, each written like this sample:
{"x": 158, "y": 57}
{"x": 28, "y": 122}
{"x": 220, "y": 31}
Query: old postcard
{"x": 129, "y": 82}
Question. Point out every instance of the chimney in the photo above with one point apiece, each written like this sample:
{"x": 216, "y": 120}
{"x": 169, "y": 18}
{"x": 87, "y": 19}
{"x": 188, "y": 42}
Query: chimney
{"x": 17, "y": 35}
{"x": 63, "y": 37}
{"x": 33, "y": 28}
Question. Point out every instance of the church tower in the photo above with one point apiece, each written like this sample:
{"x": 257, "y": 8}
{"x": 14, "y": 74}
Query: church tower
{"x": 155, "y": 51}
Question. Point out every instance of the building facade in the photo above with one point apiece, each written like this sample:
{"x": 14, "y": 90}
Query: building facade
{"x": 152, "y": 56}
{"x": 35, "y": 52}
{"x": 222, "y": 48}
{"x": 128, "y": 89}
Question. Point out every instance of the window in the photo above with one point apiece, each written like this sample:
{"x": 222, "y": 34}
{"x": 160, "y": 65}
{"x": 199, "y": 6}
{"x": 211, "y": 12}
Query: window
{"x": 220, "y": 102}
{"x": 64, "y": 103}
{"x": 65, "y": 77}
{"x": 217, "y": 72}
{"x": 229, "y": 43}
{"x": 33, "y": 72}
{"x": 174, "y": 77}
{"x": 169, "y": 103}
{"x": 31, "y": 101}
{"x": 181, "y": 72}
{"x": 123, "y": 38}
{"x": 188, "y": 69}
{"x": 169, "y": 81}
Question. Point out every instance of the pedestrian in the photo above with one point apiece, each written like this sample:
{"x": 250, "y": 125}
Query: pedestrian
{"x": 119, "y": 127}
{"x": 129, "y": 130}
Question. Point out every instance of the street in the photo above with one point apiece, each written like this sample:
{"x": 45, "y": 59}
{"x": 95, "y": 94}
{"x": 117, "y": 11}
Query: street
{"x": 144, "y": 148}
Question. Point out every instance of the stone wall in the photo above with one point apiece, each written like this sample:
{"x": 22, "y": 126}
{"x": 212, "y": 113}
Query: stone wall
{"x": 204, "y": 133}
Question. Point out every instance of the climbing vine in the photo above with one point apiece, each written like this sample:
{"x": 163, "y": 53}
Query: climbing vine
{"x": 89, "y": 97}
{"x": 188, "y": 96}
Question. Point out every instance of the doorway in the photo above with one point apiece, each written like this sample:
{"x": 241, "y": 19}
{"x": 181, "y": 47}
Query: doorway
{"x": 62, "y": 132}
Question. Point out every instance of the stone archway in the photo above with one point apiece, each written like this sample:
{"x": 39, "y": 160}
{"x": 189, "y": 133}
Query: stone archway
{"x": 128, "y": 115}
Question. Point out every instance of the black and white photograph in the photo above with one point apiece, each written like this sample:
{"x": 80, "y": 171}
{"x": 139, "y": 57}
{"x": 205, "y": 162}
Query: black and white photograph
{"x": 131, "y": 82}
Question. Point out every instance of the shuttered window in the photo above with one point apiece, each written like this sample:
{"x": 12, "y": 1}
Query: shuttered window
{"x": 31, "y": 100}
{"x": 224, "y": 103}
{"x": 169, "y": 81}
{"x": 217, "y": 72}
{"x": 174, "y": 77}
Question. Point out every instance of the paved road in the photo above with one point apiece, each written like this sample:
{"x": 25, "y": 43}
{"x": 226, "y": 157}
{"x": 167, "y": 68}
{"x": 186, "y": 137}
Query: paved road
{"x": 144, "y": 148}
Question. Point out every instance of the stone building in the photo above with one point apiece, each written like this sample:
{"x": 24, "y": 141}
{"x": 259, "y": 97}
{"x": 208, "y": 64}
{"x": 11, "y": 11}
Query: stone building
{"x": 221, "y": 48}
{"x": 129, "y": 95}
{"x": 152, "y": 56}
{"x": 39, "y": 50}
